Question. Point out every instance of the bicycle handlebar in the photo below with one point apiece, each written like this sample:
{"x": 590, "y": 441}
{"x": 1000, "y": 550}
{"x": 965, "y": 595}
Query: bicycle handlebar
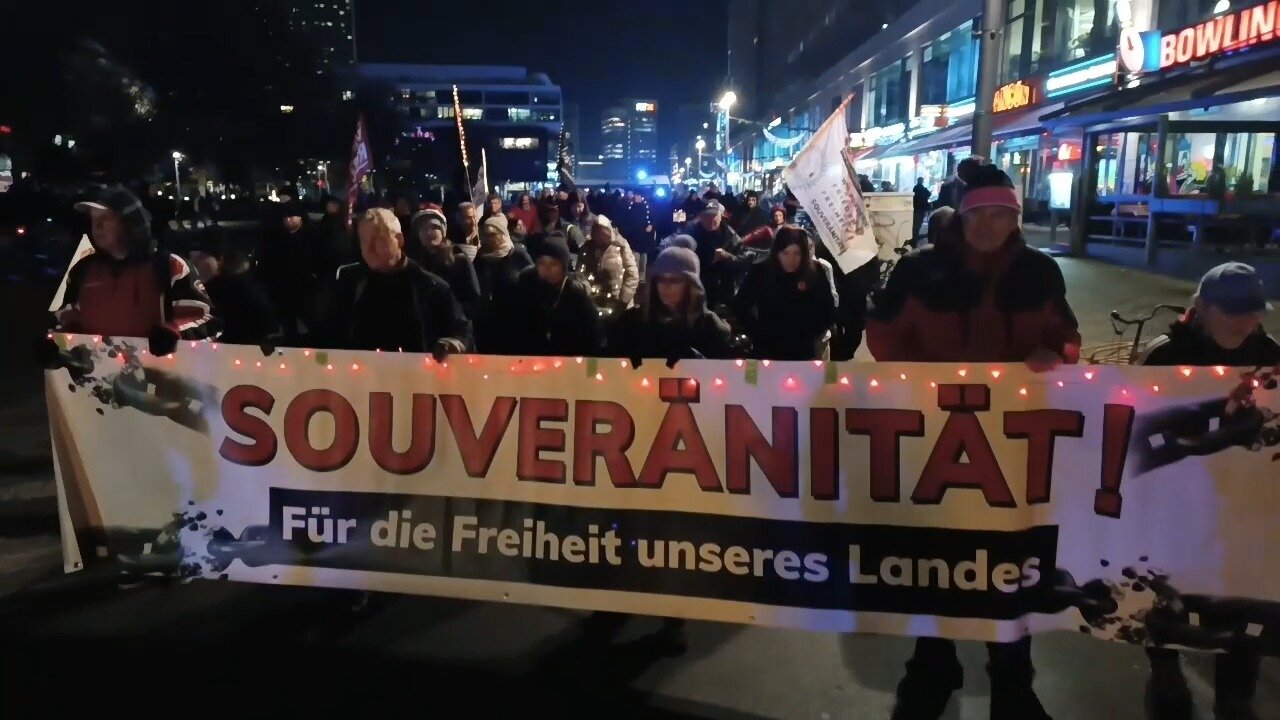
{"x": 1117, "y": 319}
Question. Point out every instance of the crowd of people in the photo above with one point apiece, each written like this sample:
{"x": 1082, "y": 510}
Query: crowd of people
{"x": 570, "y": 274}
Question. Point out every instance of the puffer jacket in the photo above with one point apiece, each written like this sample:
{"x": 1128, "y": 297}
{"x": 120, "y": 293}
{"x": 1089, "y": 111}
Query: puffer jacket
{"x": 613, "y": 269}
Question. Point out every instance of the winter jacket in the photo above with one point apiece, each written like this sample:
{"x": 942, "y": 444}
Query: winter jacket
{"x": 1187, "y": 343}
{"x": 785, "y": 314}
{"x": 532, "y": 223}
{"x": 632, "y": 223}
{"x": 755, "y": 218}
{"x": 459, "y": 273}
{"x": 540, "y": 319}
{"x": 572, "y": 233}
{"x": 240, "y": 302}
{"x": 653, "y": 332}
{"x": 945, "y": 303}
{"x": 338, "y": 245}
{"x": 430, "y": 315}
{"x": 613, "y": 268}
{"x": 920, "y": 198}
{"x": 130, "y": 297}
{"x": 498, "y": 278}
{"x": 719, "y": 278}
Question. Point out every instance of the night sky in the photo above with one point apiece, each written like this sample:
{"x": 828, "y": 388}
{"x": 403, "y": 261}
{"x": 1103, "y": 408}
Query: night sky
{"x": 670, "y": 50}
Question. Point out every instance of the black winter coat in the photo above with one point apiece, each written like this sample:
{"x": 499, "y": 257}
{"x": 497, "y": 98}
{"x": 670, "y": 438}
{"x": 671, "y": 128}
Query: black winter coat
{"x": 241, "y": 303}
{"x": 497, "y": 278}
{"x": 541, "y": 319}
{"x": 459, "y": 273}
{"x": 432, "y": 316}
{"x": 659, "y": 334}
{"x": 785, "y": 315}
{"x": 1187, "y": 344}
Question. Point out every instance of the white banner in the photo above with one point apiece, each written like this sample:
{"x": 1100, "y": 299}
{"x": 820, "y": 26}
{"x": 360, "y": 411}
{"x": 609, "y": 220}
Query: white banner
{"x": 825, "y": 184}
{"x": 965, "y": 501}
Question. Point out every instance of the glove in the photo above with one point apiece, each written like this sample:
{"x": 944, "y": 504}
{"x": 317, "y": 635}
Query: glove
{"x": 162, "y": 341}
{"x": 445, "y": 347}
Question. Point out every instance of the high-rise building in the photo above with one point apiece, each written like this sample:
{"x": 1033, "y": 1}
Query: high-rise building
{"x": 629, "y": 138}
{"x": 330, "y": 24}
{"x": 514, "y": 115}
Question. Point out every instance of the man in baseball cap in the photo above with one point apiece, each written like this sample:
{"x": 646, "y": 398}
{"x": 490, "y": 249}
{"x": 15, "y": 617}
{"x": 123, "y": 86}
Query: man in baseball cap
{"x": 126, "y": 288}
{"x": 1224, "y": 327}
{"x": 720, "y": 254}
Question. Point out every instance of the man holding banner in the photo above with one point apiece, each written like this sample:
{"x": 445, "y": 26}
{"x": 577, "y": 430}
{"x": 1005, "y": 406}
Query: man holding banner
{"x": 126, "y": 287}
{"x": 979, "y": 295}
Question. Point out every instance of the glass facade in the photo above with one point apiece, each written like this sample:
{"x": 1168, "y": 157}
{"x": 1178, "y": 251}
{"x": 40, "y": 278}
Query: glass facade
{"x": 1041, "y": 35}
{"x": 889, "y": 95}
{"x": 949, "y": 67}
{"x": 1219, "y": 164}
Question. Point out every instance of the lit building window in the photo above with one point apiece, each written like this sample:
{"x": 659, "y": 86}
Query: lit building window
{"x": 470, "y": 113}
{"x": 348, "y": 95}
{"x": 519, "y": 143}
{"x": 286, "y": 109}
{"x": 446, "y": 111}
{"x": 518, "y": 114}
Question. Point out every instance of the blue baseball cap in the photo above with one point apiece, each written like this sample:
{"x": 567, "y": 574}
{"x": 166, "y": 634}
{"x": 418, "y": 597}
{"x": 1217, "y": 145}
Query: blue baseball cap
{"x": 1234, "y": 288}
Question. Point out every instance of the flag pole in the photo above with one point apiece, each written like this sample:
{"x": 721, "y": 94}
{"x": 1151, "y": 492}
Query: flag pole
{"x": 462, "y": 138}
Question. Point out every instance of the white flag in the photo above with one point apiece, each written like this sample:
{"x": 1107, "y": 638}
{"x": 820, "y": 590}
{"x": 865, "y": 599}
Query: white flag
{"x": 480, "y": 191}
{"x": 823, "y": 181}
{"x": 83, "y": 250}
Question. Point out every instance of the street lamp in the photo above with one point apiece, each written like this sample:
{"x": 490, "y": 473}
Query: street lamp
{"x": 700, "y": 145}
{"x": 177, "y": 179}
{"x": 727, "y": 100}
{"x": 726, "y": 103}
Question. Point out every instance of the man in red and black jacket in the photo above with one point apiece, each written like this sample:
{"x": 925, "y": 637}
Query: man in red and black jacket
{"x": 978, "y": 295}
{"x": 126, "y": 287}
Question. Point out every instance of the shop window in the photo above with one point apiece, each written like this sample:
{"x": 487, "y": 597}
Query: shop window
{"x": 1137, "y": 171}
{"x": 1108, "y": 151}
{"x": 1247, "y": 160}
{"x": 1191, "y": 159}
{"x": 1073, "y": 29}
{"x": 949, "y": 67}
{"x": 1013, "y": 41}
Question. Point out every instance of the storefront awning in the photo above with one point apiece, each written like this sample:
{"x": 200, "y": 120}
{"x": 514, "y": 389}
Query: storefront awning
{"x": 941, "y": 140}
{"x": 1205, "y": 87}
{"x": 875, "y": 153}
{"x": 1024, "y": 122}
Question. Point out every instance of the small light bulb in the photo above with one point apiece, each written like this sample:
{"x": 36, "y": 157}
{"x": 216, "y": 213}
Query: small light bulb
{"x": 844, "y": 380}
{"x": 1061, "y": 384}
{"x": 739, "y": 363}
{"x": 599, "y": 376}
{"x": 719, "y": 382}
{"x": 874, "y": 383}
{"x": 1088, "y": 376}
{"x": 237, "y": 362}
{"x": 1022, "y": 391}
{"x": 902, "y": 376}
{"x": 281, "y": 366}
{"x": 355, "y": 366}
{"x": 644, "y": 382}
{"x": 1186, "y": 372}
{"x": 1155, "y": 388}
{"x": 995, "y": 374}
{"x": 962, "y": 372}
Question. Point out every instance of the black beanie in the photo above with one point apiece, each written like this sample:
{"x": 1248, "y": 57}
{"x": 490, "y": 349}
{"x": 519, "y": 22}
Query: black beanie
{"x": 555, "y": 245}
{"x": 988, "y": 176}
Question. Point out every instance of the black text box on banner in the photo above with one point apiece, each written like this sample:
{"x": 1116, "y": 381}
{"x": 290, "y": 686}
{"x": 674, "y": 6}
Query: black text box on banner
{"x": 958, "y": 573}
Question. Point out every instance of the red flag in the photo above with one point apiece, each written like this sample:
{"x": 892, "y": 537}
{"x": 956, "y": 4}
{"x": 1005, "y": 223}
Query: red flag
{"x": 361, "y": 164}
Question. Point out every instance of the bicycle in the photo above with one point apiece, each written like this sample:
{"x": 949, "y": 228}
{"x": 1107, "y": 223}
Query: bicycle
{"x": 1124, "y": 352}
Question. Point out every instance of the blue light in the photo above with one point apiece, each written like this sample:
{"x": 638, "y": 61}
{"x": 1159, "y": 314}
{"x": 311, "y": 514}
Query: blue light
{"x": 642, "y": 175}
{"x": 660, "y": 192}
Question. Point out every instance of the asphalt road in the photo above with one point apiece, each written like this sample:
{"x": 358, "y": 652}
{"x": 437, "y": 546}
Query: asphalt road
{"x": 189, "y": 649}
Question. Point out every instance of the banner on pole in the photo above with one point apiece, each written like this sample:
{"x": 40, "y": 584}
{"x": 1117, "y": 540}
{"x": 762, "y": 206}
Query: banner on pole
{"x": 361, "y": 164}
{"x": 970, "y": 502}
{"x": 823, "y": 180}
{"x": 480, "y": 191}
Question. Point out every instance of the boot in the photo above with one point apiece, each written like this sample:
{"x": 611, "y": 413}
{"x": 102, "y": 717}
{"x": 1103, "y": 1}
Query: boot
{"x": 1235, "y": 679}
{"x": 933, "y": 675}
{"x": 1167, "y": 697}
{"x": 1012, "y": 696}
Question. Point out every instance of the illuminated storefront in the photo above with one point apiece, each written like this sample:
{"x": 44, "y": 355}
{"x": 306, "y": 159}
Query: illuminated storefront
{"x": 1186, "y": 131}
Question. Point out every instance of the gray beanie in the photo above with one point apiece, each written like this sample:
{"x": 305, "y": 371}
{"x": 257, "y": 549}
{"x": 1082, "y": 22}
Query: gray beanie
{"x": 681, "y": 241}
{"x": 678, "y": 261}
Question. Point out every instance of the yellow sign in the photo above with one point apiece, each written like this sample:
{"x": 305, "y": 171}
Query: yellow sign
{"x": 1013, "y": 96}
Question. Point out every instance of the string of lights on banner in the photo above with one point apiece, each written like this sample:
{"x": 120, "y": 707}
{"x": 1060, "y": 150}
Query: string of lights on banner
{"x": 834, "y": 373}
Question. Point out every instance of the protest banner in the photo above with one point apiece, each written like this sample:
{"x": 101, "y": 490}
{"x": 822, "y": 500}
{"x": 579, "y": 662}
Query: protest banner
{"x": 964, "y": 501}
{"x": 822, "y": 179}
{"x": 361, "y": 164}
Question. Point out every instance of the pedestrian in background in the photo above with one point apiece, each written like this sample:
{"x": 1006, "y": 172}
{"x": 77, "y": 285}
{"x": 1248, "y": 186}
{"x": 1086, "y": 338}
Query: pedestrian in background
{"x": 442, "y": 258}
{"x": 720, "y": 254}
{"x": 527, "y": 214}
{"x": 466, "y": 231}
{"x": 610, "y": 268}
{"x": 239, "y": 300}
{"x": 920, "y": 197}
